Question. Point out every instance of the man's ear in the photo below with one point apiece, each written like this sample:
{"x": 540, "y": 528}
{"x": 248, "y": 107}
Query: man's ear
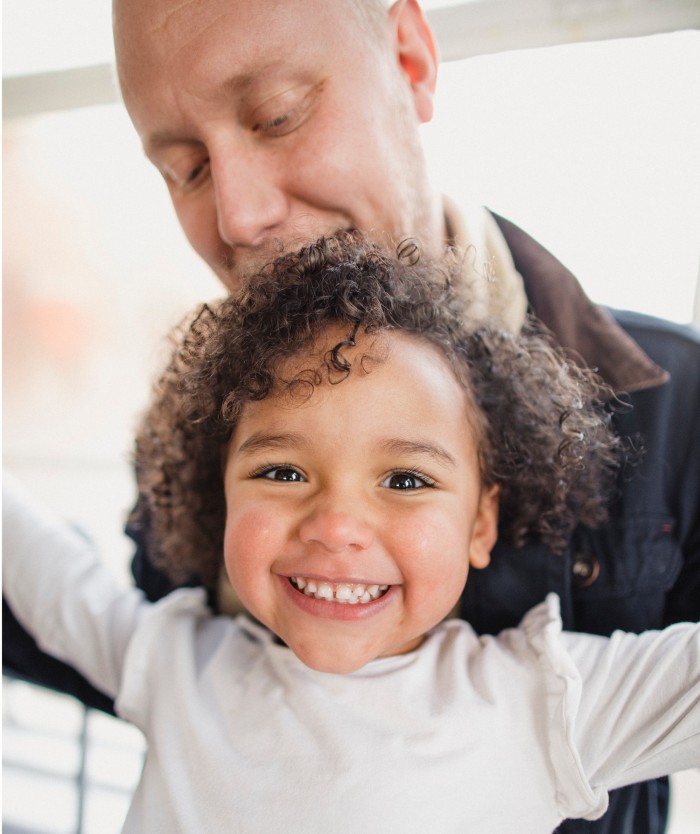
{"x": 485, "y": 530}
{"x": 417, "y": 53}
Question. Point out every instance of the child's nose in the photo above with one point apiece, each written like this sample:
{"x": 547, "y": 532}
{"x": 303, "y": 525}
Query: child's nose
{"x": 336, "y": 530}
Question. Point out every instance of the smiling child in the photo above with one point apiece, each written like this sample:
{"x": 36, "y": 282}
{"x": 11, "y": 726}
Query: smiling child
{"x": 350, "y": 444}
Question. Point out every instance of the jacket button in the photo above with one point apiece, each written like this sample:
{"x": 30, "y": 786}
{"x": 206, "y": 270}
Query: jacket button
{"x": 585, "y": 570}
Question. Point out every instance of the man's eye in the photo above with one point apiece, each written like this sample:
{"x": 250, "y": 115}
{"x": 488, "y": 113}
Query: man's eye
{"x": 187, "y": 174}
{"x": 195, "y": 175}
{"x": 292, "y": 111}
{"x": 277, "y": 125}
{"x": 280, "y": 473}
{"x": 282, "y": 124}
{"x": 406, "y": 481}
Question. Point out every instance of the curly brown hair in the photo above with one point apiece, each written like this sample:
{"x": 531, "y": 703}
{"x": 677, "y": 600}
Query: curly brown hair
{"x": 542, "y": 430}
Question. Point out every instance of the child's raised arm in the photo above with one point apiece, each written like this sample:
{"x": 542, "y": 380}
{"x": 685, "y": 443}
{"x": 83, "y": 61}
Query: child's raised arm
{"x": 628, "y": 705}
{"x": 61, "y": 592}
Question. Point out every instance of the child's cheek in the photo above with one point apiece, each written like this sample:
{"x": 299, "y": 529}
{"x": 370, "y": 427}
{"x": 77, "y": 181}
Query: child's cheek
{"x": 249, "y": 546}
{"x": 424, "y": 529}
{"x": 431, "y": 547}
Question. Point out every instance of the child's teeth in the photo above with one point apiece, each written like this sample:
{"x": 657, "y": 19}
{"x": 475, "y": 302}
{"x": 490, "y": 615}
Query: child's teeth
{"x": 324, "y": 591}
{"x": 343, "y": 592}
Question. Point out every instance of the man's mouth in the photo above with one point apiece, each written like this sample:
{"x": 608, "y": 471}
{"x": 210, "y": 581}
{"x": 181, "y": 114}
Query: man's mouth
{"x": 345, "y": 593}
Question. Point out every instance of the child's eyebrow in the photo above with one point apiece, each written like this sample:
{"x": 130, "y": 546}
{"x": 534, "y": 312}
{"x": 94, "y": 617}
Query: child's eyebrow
{"x": 259, "y": 442}
{"x": 400, "y": 446}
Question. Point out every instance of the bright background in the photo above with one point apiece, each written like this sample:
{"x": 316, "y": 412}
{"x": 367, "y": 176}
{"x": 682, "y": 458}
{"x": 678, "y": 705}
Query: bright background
{"x": 592, "y": 147}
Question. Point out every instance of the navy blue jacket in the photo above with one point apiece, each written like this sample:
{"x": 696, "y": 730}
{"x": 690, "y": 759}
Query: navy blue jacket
{"x": 640, "y": 570}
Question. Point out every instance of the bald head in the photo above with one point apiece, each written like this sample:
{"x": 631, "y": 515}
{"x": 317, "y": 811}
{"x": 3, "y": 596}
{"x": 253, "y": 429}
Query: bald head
{"x": 273, "y": 122}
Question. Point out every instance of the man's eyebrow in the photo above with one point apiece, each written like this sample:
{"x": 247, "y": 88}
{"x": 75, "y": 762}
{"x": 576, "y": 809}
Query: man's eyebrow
{"x": 241, "y": 83}
{"x": 160, "y": 139}
{"x": 259, "y": 441}
{"x": 401, "y": 446}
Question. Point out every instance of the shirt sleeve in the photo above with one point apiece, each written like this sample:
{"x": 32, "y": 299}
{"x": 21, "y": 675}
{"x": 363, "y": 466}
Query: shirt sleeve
{"x": 639, "y": 713}
{"x": 620, "y": 710}
{"x": 62, "y": 594}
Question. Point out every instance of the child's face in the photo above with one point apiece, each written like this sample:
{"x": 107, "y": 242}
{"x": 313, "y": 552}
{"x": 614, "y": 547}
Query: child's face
{"x": 371, "y": 488}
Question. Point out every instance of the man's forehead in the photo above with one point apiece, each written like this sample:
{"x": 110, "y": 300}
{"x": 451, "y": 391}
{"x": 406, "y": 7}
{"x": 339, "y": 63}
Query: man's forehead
{"x": 157, "y": 40}
{"x": 150, "y": 35}
{"x": 156, "y": 22}
{"x": 156, "y": 14}
{"x": 212, "y": 50}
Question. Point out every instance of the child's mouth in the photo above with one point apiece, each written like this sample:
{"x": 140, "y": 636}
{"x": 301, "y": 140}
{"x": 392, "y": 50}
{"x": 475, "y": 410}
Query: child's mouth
{"x": 345, "y": 593}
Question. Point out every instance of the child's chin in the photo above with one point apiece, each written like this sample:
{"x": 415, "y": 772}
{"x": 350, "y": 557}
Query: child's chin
{"x": 331, "y": 664}
{"x": 343, "y": 658}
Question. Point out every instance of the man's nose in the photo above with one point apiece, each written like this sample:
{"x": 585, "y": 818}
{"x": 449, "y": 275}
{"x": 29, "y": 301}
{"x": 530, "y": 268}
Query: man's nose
{"x": 250, "y": 203}
{"x": 335, "y": 529}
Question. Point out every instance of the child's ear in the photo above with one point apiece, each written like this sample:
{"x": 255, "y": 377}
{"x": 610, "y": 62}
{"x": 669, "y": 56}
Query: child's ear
{"x": 485, "y": 531}
{"x": 417, "y": 53}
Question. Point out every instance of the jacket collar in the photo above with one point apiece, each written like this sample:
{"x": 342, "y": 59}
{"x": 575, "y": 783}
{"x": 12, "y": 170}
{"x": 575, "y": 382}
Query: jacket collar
{"x": 588, "y": 330}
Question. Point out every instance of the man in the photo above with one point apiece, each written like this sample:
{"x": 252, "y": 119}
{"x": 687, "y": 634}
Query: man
{"x": 273, "y": 122}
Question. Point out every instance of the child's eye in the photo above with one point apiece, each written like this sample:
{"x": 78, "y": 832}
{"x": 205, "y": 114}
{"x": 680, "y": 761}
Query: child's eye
{"x": 280, "y": 473}
{"x": 407, "y": 480}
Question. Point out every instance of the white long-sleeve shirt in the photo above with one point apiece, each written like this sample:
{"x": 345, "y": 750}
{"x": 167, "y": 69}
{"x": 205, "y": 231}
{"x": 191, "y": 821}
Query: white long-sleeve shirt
{"x": 465, "y": 734}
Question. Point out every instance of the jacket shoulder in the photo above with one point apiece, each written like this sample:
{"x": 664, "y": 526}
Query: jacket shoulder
{"x": 676, "y": 347}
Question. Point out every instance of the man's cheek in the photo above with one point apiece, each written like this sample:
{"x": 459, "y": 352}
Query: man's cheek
{"x": 199, "y": 222}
